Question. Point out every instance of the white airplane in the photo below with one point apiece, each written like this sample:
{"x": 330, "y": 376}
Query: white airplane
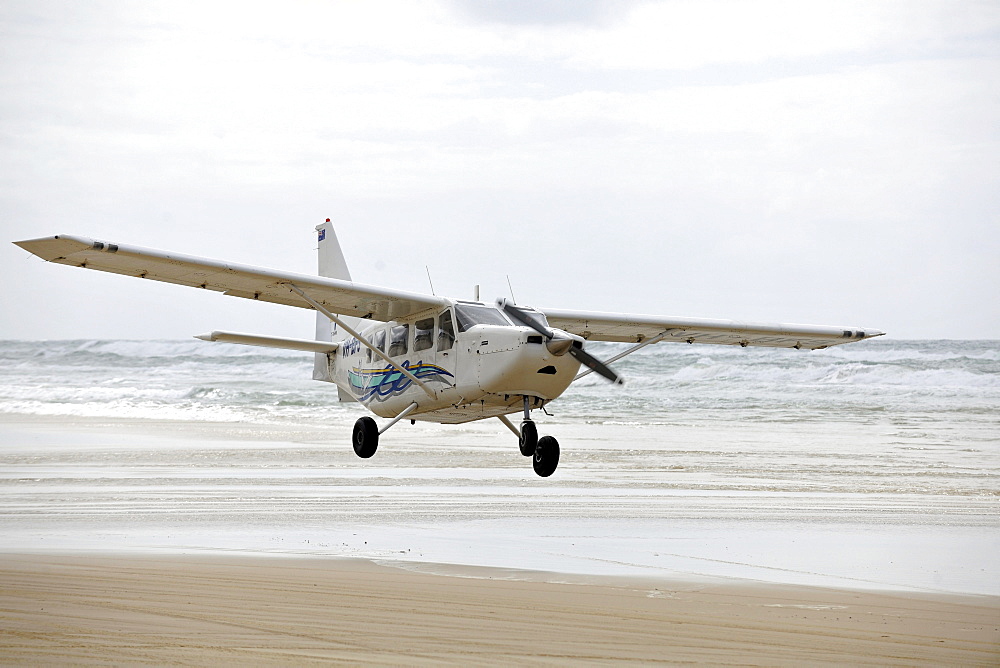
{"x": 424, "y": 357}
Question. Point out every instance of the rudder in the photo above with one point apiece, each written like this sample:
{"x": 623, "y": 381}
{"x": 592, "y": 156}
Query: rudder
{"x": 331, "y": 258}
{"x": 332, "y": 264}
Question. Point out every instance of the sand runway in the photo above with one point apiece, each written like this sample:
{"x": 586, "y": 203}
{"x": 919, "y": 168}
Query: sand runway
{"x": 110, "y": 609}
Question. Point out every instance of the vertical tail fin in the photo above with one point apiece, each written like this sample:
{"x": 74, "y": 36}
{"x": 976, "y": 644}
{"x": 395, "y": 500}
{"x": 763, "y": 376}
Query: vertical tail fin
{"x": 331, "y": 258}
{"x": 331, "y": 265}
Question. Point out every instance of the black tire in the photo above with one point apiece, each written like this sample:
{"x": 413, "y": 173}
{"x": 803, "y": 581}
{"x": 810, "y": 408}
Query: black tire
{"x": 365, "y": 437}
{"x": 546, "y": 456}
{"x": 529, "y": 438}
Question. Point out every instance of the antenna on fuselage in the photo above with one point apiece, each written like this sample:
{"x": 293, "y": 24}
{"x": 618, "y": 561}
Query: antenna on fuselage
{"x": 429, "y": 279}
{"x": 475, "y": 294}
{"x": 511, "y": 288}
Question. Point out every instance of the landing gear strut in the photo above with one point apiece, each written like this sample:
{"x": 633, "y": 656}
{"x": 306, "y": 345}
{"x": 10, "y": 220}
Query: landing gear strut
{"x": 544, "y": 451}
{"x": 528, "y": 438}
{"x": 366, "y": 432}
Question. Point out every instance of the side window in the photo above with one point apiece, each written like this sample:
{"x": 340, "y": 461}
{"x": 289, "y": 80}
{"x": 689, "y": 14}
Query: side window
{"x": 423, "y": 334}
{"x": 446, "y": 331}
{"x": 397, "y": 340}
{"x": 379, "y": 340}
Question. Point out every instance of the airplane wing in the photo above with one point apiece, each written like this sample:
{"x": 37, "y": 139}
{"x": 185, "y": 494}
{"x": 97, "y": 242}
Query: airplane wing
{"x": 266, "y": 285}
{"x": 637, "y": 328}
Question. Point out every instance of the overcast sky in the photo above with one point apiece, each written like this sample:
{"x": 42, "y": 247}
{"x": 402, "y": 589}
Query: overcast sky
{"x": 818, "y": 162}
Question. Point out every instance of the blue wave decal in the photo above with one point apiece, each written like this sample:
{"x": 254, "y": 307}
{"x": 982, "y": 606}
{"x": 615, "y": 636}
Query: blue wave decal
{"x": 380, "y": 384}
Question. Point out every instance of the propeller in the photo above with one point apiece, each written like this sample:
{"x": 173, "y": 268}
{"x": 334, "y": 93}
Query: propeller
{"x": 559, "y": 342}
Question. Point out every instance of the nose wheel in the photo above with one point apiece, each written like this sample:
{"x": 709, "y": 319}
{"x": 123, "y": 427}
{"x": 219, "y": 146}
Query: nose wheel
{"x": 528, "y": 440}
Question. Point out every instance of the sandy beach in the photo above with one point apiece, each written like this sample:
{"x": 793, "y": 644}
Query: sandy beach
{"x": 211, "y": 610}
{"x": 208, "y": 518}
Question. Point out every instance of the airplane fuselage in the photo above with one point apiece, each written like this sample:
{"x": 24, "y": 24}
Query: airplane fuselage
{"x": 475, "y": 362}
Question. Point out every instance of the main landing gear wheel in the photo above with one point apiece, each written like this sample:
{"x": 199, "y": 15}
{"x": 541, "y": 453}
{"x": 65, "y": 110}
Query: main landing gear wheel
{"x": 546, "y": 456}
{"x": 529, "y": 438}
{"x": 365, "y": 437}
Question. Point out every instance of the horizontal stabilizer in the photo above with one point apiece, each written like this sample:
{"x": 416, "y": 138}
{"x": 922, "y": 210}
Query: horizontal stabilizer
{"x": 270, "y": 342}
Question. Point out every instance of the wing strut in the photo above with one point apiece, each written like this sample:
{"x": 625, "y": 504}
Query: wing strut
{"x": 347, "y": 328}
{"x": 655, "y": 339}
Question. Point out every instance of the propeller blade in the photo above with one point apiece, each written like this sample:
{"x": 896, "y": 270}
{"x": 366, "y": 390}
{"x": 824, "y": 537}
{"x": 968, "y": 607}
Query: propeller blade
{"x": 596, "y": 365}
{"x": 524, "y": 318}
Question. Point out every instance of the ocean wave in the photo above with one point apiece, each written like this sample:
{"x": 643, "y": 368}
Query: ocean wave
{"x": 136, "y": 353}
{"x": 198, "y": 379}
{"x": 851, "y": 373}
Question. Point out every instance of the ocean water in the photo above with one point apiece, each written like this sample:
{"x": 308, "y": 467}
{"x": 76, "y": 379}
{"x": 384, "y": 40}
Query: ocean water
{"x": 874, "y": 464}
{"x": 192, "y": 380}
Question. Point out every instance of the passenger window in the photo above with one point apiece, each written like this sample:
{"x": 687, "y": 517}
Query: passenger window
{"x": 423, "y": 334}
{"x": 379, "y": 340}
{"x": 446, "y": 332}
{"x": 397, "y": 340}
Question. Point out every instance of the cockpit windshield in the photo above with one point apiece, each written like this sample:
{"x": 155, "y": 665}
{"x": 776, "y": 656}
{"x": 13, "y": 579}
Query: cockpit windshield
{"x": 537, "y": 316}
{"x": 468, "y": 315}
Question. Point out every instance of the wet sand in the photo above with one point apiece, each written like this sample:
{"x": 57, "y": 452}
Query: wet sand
{"x": 235, "y": 610}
